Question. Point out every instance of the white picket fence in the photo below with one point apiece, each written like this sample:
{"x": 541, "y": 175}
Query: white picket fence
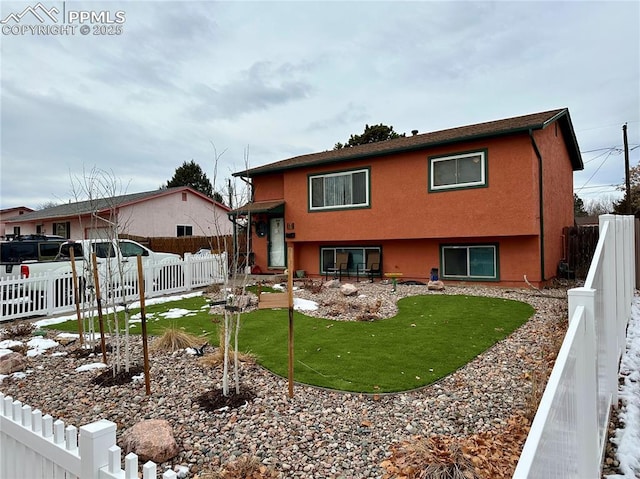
{"x": 569, "y": 432}
{"x": 37, "y": 447}
{"x": 47, "y": 294}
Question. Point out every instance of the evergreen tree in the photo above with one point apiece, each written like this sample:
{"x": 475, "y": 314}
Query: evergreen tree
{"x": 371, "y": 134}
{"x": 633, "y": 196}
{"x": 578, "y": 206}
{"x": 190, "y": 174}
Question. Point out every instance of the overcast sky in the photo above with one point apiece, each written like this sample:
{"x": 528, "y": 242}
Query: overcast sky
{"x": 264, "y": 81}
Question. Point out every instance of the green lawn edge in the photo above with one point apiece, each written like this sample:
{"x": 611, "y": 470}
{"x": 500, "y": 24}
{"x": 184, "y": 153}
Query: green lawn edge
{"x": 429, "y": 338}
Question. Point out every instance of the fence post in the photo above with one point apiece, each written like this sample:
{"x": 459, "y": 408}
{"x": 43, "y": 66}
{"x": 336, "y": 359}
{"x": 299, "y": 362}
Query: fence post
{"x": 609, "y": 298}
{"x": 95, "y": 440}
{"x": 50, "y": 296}
{"x": 627, "y": 259}
{"x": 587, "y": 388}
{"x": 188, "y": 271}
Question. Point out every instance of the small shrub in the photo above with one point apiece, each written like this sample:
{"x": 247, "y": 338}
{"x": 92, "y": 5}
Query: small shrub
{"x": 174, "y": 339}
{"x": 245, "y": 467}
{"x": 486, "y": 455}
{"x": 17, "y": 330}
{"x": 312, "y": 286}
{"x": 535, "y": 395}
{"x": 217, "y": 357}
{"x": 212, "y": 289}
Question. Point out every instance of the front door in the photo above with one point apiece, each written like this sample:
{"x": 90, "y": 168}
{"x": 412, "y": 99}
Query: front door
{"x": 276, "y": 243}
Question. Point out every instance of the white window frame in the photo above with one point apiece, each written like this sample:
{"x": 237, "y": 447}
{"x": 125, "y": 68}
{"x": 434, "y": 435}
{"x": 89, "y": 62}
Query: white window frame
{"x": 335, "y": 174}
{"x": 185, "y": 228}
{"x": 437, "y": 159}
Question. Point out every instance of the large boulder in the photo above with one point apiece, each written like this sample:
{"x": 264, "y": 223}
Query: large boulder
{"x": 151, "y": 440}
{"x": 12, "y": 362}
{"x": 348, "y": 289}
{"x": 435, "y": 285}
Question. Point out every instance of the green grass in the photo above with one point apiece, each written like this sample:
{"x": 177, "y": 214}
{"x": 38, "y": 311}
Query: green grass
{"x": 429, "y": 338}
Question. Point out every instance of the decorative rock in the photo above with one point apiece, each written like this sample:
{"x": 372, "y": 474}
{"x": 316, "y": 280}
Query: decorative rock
{"x": 151, "y": 440}
{"x": 348, "y": 289}
{"x": 12, "y": 362}
{"x": 334, "y": 283}
{"x": 435, "y": 285}
{"x": 337, "y": 434}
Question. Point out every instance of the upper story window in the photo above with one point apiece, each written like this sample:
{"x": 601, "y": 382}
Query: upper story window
{"x": 346, "y": 189}
{"x": 465, "y": 170}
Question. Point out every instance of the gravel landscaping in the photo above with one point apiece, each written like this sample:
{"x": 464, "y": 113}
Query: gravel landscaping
{"x": 318, "y": 433}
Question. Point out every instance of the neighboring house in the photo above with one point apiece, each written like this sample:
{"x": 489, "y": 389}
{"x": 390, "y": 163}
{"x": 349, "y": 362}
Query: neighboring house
{"x": 10, "y": 231}
{"x": 171, "y": 212}
{"x": 484, "y": 202}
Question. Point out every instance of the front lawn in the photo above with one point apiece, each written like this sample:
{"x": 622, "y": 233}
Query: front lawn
{"x": 429, "y": 338}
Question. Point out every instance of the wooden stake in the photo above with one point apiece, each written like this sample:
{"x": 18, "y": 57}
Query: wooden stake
{"x": 96, "y": 282}
{"x": 76, "y": 294}
{"x": 145, "y": 349}
{"x": 290, "y": 291}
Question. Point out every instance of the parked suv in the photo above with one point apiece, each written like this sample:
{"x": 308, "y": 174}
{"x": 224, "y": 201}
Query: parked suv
{"x": 29, "y": 248}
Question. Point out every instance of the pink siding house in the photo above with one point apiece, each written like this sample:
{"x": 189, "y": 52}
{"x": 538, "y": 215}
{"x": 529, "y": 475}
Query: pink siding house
{"x": 171, "y": 212}
{"x": 10, "y": 213}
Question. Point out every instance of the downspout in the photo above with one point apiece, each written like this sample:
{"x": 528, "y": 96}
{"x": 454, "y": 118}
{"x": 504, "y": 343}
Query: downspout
{"x": 541, "y": 203}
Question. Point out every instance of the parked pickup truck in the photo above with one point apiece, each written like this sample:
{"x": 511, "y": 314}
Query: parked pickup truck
{"x": 28, "y": 249}
{"x": 113, "y": 258}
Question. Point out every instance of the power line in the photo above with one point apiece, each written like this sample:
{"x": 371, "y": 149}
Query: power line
{"x": 600, "y": 186}
{"x": 597, "y": 169}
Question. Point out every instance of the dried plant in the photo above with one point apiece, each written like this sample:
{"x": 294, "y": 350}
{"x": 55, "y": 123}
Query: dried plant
{"x": 217, "y": 357}
{"x": 17, "y": 330}
{"x": 174, "y": 339}
{"x": 312, "y": 286}
{"x": 430, "y": 458}
{"x": 486, "y": 455}
{"x": 535, "y": 394}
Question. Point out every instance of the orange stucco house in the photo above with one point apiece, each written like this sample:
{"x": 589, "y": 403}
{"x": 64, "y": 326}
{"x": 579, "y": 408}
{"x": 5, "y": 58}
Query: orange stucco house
{"x": 484, "y": 202}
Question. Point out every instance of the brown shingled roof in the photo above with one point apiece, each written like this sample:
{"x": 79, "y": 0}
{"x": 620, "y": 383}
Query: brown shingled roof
{"x": 258, "y": 207}
{"x": 98, "y": 205}
{"x": 519, "y": 124}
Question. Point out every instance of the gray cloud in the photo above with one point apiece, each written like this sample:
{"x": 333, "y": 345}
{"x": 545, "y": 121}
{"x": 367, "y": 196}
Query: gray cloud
{"x": 287, "y": 78}
{"x": 261, "y": 86}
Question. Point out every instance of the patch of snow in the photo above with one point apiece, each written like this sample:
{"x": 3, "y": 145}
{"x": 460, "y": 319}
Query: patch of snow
{"x": 16, "y": 375}
{"x": 38, "y": 345}
{"x": 300, "y": 304}
{"x": 181, "y": 471}
{"x": 9, "y": 343}
{"x": 135, "y": 304}
{"x": 175, "y": 313}
{"x": 90, "y": 367}
{"x": 627, "y": 438}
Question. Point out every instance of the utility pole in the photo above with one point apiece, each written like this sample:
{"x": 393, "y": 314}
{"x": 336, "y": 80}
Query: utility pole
{"x": 626, "y": 168}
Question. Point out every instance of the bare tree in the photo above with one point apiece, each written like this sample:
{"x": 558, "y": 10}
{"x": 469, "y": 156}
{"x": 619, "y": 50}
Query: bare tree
{"x": 600, "y": 206}
{"x": 101, "y": 188}
{"x": 235, "y": 282}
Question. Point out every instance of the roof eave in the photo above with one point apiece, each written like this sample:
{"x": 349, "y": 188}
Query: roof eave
{"x": 421, "y": 146}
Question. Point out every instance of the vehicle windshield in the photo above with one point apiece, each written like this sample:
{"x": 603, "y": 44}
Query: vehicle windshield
{"x": 77, "y": 250}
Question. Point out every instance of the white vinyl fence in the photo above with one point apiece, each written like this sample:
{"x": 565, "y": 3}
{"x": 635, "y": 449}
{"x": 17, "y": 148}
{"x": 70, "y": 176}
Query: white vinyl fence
{"x": 36, "y": 446}
{"x": 48, "y": 293}
{"x": 569, "y": 432}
